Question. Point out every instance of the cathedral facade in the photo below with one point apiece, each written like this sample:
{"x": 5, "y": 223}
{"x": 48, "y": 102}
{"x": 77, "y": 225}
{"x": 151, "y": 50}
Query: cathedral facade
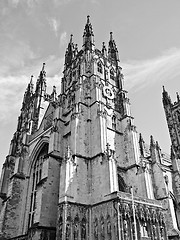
{"x": 76, "y": 169}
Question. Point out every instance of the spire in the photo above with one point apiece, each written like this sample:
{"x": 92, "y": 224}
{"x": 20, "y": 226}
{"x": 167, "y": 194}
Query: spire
{"x": 112, "y": 49}
{"x": 69, "y": 52}
{"x": 88, "y": 36}
{"x": 41, "y": 82}
{"x": 165, "y": 97}
{"x": 38, "y": 96}
{"x": 28, "y": 95}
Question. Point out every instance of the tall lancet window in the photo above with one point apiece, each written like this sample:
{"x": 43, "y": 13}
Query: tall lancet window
{"x": 112, "y": 74}
{"x": 99, "y": 67}
{"x": 36, "y": 177}
{"x": 113, "y": 122}
{"x": 121, "y": 184}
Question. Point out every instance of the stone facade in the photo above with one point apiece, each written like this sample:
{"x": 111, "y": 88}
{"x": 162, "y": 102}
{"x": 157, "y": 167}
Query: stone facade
{"x": 76, "y": 169}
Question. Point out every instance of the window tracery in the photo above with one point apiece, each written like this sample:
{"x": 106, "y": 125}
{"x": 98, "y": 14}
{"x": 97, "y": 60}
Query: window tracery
{"x": 112, "y": 74}
{"x": 83, "y": 229}
{"x": 113, "y": 122}
{"x": 99, "y": 67}
{"x": 36, "y": 176}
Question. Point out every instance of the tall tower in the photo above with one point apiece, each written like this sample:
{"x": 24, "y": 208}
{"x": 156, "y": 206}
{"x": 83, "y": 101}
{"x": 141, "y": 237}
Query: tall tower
{"x": 80, "y": 174}
{"x": 172, "y": 112}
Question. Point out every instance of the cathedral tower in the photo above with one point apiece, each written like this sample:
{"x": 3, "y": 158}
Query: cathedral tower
{"x": 79, "y": 172}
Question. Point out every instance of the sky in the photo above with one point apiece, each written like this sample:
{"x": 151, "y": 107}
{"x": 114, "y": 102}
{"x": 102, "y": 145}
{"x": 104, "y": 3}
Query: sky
{"x": 147, "y": 35}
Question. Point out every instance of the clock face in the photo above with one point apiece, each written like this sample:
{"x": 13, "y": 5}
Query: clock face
{"x": 107, "y": 92}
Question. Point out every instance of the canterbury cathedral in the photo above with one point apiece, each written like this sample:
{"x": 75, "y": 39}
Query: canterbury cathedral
{"x": 77, "y": 169}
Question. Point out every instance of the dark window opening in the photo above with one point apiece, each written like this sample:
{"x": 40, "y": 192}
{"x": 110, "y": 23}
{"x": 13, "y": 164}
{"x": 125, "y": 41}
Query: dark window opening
{"x": 114, "y": 122}
{"x": 112, "y": 74}
{"x": 99, "y": 67}
{"x": 121, "y": 184}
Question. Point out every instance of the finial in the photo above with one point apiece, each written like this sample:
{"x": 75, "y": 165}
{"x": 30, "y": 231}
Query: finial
{"x": 178, "y": 98}
{"x": 71, "y": 37}
{"x": 157, "y": 145}
{"x": 31, "y": 79}
{"x": 111, "y": 36}
{"x": 164, "y": 89}
{"x": 88, "y": 36}
{"x": 88, "y": 21}
{"x": 152, "y": 143}
{"x": 43, "y": 66}
{"x": 140, "y": 138}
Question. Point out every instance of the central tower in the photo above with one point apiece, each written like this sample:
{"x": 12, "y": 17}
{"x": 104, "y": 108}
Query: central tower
{"x": 94, "y": 114}
{"x": 98, "y": 146}
{"x": 72, "y": 164}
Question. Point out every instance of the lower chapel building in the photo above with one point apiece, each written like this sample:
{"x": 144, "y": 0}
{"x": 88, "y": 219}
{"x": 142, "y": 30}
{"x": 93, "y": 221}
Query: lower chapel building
{"x": 76, "y": 168}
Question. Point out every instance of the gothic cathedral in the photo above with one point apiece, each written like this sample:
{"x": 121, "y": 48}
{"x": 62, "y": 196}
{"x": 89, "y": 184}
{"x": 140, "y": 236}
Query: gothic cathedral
{"x": 76, "y": 169}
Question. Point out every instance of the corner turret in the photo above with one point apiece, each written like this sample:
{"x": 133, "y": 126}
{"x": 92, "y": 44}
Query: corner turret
{"x": 112, "y": 50}
{"x": 71, "y": 51}
{"x": 166, "y": 98}
{"x": 88, "y": 36}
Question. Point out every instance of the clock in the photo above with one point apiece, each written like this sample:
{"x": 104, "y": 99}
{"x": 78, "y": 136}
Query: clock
{"x": 107, "y": 92}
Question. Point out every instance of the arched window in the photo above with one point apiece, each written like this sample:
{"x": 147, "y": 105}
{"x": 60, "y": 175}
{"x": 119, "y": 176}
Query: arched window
{"x": 83, "y": 229}
{"x": 60, "y": 227}
{"x": 112, "y": 74}
{"x": 121, "y": 184}
{"x": 113, "y": 122}
{"x": 76, "y": 228}
{"x": 68, "y": 228}
{"x": 144, "y": 229}
{"x": 99, "y": 67}
{"x": 36, "y": 178}
{"x": 109, "y": 235}
{"x": 96, "y": 229}
{"x": 102, "y": 229}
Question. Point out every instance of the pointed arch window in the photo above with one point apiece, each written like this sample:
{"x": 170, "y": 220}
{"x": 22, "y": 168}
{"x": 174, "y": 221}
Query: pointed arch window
{"x": 112, "y": 74}
{"x": 99, "y": 67}
{"x": 96, "y": 229}
{"x": 36, "y": 175}
{"x": 109, "y": 235}
{"x": 102, "y": 233}
{"x": 83, "y": 229}
{"x": 121, "y": 183}
{"x": 113, "y": 122}
{"x": 68, "y": 229}
{"x": 76, "y": 228}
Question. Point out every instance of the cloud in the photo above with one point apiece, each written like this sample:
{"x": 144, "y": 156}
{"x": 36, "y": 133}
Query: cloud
{"x": 63, "y": 39}
{"x": 11, "y": 95}
{"x": 54, "y": 25}
{"x": 13, "y": 86}
{"x": 61, "y": 2}
{"x": 139, "y": 74}
{"x": 14, "y": 3}
{"x": 14, "y": 55}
